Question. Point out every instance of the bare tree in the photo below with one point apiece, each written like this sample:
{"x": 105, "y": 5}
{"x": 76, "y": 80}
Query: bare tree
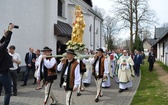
{"x": 124, "y": 11}
{"x": 109, "y": 30}
{"x": 134, "y": 14}
{"x": 143, "y": 15}
{"x": 99, "y": 11}
{"x": 109, "y": 27}
{"x": 144, "y": 33}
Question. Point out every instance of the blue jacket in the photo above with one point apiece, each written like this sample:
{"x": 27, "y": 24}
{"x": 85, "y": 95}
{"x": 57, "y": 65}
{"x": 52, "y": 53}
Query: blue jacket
{"x": 138, "y": 59}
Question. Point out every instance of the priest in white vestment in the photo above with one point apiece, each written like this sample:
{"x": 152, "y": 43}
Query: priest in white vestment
{"x": 125, "y": 72}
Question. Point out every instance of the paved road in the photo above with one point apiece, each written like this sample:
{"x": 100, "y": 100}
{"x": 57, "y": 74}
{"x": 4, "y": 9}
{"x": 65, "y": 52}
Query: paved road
{"x": 29, "y": 96}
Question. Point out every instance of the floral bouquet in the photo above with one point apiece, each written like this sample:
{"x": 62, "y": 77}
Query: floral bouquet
{"x": 75, "y": 46}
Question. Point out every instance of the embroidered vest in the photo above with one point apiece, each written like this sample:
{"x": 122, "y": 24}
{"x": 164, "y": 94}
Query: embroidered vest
{"x": 50, "y": 74}
{"x": 70, "y": 74}
{"x": 101, "y": 66}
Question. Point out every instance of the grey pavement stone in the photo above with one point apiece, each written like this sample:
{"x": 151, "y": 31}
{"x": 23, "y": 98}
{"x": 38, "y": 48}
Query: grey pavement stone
{"x": 29, "y": 96}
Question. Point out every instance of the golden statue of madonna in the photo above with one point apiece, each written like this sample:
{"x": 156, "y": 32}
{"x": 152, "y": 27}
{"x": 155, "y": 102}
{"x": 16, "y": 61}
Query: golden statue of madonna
{"x": 78, "y": 26}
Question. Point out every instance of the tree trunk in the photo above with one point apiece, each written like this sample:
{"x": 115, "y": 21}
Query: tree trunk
{"x": 136, "y": 17}
{"x": 131, "y": 26}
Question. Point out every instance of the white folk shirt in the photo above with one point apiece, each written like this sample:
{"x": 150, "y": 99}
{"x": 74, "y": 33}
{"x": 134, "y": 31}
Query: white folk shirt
{"x": 16, "y": 57}
{"x": 106, "y": 70}
{"x": 47, "y": 63}
{"x": 77, "y": 73}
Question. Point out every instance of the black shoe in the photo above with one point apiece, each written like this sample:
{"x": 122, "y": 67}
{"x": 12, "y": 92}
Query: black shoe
{"x": 86, "y": 84}
{"x": 121, "y": 90}
{"x": 15, "y": 94}
{"x": 58, "y": 71}
{"x": 24, "y": 85}
{"x": 78, "y": 94}
{"x": 97, "y": 100}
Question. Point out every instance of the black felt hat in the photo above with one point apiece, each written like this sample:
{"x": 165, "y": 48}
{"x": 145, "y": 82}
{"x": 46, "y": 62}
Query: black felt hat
{"x": 71, "y": 51}
{"x": 46, "y": 49}
{"x": 100, "y": 49}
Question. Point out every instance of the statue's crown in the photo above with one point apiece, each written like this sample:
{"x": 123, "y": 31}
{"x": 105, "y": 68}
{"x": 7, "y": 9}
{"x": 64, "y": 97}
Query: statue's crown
{"x": 77, "y": 8}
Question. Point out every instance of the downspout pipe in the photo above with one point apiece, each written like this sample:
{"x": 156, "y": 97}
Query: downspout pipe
{"x": 94, "y": 23}
{"x": 101, "y": 33}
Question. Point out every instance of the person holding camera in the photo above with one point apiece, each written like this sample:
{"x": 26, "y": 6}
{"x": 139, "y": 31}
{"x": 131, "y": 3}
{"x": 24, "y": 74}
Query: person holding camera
{"x": 5, "y": 63}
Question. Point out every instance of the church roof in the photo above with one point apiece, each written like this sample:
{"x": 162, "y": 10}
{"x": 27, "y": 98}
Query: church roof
{"x": 89, "y": 2}
{"x": 160, "y": 33}
{"x": 62, "y": 29}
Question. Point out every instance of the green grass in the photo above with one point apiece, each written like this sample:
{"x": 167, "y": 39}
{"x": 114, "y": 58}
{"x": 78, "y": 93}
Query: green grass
{"x": 151, "y": 91}
{"x": 163, "y": 66}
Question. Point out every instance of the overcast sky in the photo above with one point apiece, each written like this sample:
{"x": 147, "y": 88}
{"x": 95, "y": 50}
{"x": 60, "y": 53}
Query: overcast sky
{"x": 159, "y": 6}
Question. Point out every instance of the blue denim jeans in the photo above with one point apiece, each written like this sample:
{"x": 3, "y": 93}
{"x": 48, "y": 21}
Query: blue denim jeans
{"x": 0, "y": 88}
{"x": 5, "y": 81}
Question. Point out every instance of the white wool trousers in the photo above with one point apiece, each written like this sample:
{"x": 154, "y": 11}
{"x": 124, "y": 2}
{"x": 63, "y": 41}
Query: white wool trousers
{"x": 99, "y": 87}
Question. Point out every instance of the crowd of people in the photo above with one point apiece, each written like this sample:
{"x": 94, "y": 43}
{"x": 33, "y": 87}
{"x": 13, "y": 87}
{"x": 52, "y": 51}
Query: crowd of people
{"x": 76, "y": 73}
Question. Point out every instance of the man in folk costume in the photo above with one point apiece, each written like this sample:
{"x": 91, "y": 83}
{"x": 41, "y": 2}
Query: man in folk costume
{"x": 125, "y": 72}
{"x": 70, "y": 77}
{"x": 47, "y": 71}
{"x": 119, "y": 54}
{"x": 100, "y": 71}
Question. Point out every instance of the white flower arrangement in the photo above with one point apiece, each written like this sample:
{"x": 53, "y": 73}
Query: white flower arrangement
{"x": 75, "y": 46}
